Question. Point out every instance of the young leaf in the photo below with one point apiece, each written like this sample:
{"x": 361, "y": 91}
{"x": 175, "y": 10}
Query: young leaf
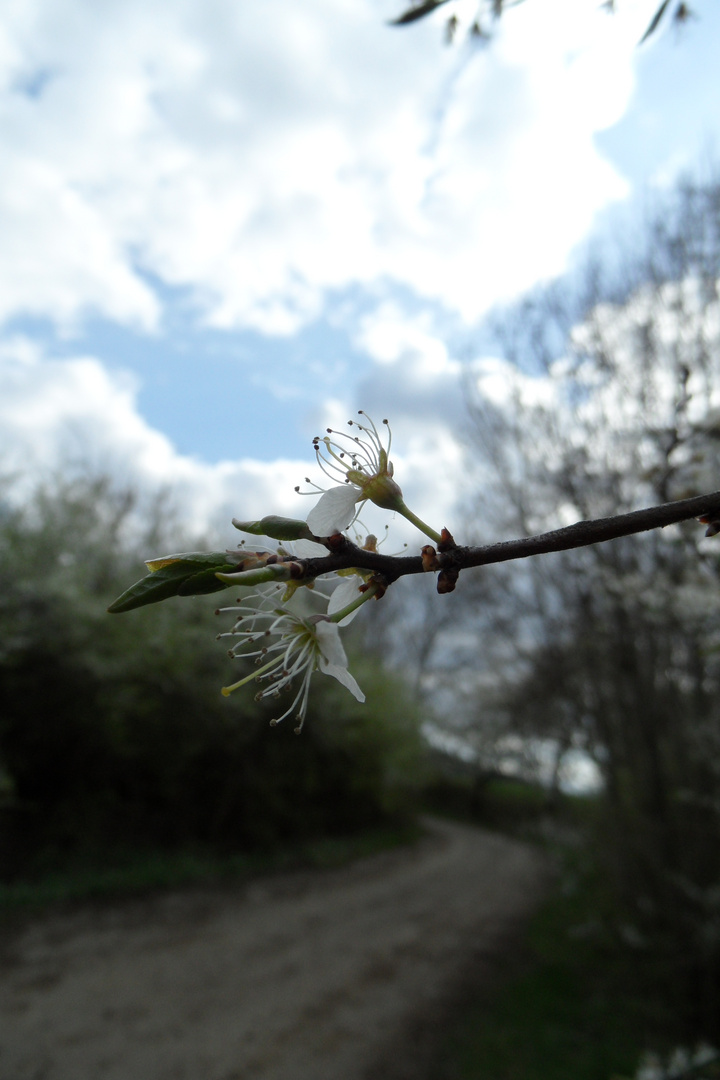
{"x": 191, "y": 561}
{"x": 205, "y": 582}
{"x": 189, "y": 574}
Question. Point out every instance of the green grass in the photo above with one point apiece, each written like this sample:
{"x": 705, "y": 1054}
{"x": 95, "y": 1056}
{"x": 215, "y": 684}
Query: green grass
{"x": 133, "y": 874}
{"x": 571, "y": 1005}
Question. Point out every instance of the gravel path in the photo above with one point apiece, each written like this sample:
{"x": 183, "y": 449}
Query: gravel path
{"x": 335, "y": 975}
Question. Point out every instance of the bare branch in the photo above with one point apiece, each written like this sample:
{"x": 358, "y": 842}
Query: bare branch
{"x": 582, "y": 534}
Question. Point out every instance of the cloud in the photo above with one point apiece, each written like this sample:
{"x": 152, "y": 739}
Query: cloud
{"x": 389, "y": 334}
{"x": 72, "y": 414}
{"x": 260, "y": 156}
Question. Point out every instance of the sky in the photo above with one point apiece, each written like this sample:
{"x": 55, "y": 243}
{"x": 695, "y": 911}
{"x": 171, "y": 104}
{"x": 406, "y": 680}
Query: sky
{"x": 228, "y": 225}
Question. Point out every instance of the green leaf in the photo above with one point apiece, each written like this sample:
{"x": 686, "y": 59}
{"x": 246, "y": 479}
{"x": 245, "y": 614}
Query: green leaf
{"x": 189, "y": 560}
{"x": 189, "y": 574}
{"x": 206, "y": 582}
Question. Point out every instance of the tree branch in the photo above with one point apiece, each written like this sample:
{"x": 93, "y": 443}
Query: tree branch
{"x": 583, "y": 534}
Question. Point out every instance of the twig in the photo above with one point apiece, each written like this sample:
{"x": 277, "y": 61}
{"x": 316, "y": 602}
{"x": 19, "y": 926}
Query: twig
{"x": 582, "y": 534}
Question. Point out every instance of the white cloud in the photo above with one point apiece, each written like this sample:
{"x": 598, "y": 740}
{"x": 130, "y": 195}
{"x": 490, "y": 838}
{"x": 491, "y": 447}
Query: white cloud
{"x": 74, "y": 414}
{"x": 503, "y": 385}
{"x": 389, "y": 335}
{"x": 260, "y": 155}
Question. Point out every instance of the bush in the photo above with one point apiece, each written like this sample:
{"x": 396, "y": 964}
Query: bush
{"x": 113, "y": 732}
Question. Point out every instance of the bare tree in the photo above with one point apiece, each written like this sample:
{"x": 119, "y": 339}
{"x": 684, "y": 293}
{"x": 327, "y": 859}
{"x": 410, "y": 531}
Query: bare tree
{"x": 616, "y": 647}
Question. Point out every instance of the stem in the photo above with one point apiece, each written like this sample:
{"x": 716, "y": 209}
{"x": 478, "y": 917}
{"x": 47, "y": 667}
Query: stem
{"x": 582, "y": 534}
{"x": 227, "y": 690}
{"x": 416, "y": 521}
{"x": 276, "y": 572}
{"x": 348, "y": 610}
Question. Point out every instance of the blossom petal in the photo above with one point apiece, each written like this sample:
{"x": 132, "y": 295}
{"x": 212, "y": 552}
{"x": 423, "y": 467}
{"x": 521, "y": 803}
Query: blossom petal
{"x": 303, "y": 549}
{"x": 330, "y": 645}
{"x": 344, "y": 594}
{"x": 333, "y": 661}
{"x": 343, "y": 676}
{"x": 334, "y": 511}
{"x": 306, "y": 549}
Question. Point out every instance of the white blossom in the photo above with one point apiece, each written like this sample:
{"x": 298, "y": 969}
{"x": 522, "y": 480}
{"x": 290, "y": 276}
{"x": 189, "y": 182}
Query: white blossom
{"x": 362, "y": 462}
{"x": 287, "y": 650}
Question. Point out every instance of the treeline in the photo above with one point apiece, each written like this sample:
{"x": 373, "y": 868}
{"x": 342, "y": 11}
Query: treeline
{"x": 611, "y": 399}
{"x": 113, "y": 733}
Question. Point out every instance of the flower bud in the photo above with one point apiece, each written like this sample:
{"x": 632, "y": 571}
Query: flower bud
{"x": 277, "y": 528}
{"x": 380, "y": 489}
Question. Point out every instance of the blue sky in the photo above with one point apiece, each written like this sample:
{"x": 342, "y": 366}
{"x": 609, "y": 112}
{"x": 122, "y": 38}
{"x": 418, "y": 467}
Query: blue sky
{"x": 226, "y": 226}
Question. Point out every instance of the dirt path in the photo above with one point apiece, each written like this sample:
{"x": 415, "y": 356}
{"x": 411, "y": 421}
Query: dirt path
{"x": 298, "y": 977}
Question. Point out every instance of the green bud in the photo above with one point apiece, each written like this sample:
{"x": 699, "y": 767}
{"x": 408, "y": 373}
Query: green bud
{"x": 277, "y": 528}
{"x": 380, "y": 489}
{"x": 276, "y": 572}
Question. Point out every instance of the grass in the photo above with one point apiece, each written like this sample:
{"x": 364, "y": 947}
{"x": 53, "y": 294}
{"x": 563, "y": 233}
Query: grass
{"x": 138, "y": 873}
{"x": 572, "y": 1003}
{"x": 562, "y": 1016}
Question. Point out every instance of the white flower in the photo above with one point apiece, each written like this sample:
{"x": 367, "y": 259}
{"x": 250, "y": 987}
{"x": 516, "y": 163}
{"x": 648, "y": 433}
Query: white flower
{"x": 362, "y": 462}
{"x": 289, "y": 650}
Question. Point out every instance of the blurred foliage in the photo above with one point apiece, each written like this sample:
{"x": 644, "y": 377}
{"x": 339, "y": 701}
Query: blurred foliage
{"x": 572, "y": 1000}
{"x": 506, "y": 803}
{"x": 130, "y": 872}
{"x": 113, "y": 731}
{"x": 488, "y": 12}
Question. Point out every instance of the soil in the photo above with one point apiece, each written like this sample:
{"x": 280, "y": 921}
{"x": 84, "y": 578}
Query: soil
{"x": 334, "y": 975}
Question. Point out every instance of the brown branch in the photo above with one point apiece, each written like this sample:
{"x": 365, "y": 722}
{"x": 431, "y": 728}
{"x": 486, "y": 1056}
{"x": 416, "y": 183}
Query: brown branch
{"x": 582, "y": 534}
